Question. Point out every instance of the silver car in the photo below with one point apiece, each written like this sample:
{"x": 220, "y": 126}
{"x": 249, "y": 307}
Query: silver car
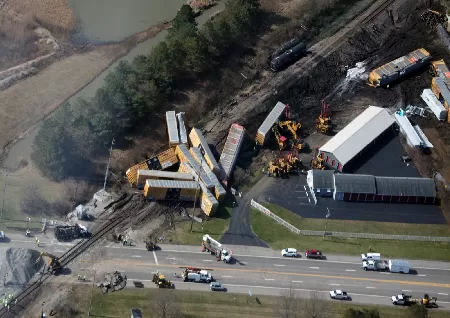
{"x": 217, "y": 286}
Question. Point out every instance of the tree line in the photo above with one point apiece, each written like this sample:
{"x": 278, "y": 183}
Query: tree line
{"x": 138, "y": 90}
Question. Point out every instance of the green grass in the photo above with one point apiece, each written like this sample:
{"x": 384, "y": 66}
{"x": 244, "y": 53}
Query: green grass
{"x": 359, "y": 226}
{"x": 277, "y": 236}
{"x": 215, "y": 226}
{"x": 211, "y": 304}
{"x": 17, "y": 182}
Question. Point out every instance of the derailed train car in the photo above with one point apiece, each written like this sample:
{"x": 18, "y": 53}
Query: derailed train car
{"x": 401, "y": 67}
{"x": 283, "y": 48}
{"x": 288, "y": 57}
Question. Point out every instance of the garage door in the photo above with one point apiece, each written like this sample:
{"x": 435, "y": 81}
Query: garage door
{"x": 370, "y": 197}
{"x": 346, "y": 196}
{"x": 362, "y": 197}
{"x": 421, "y": 200}
{"x": 403, "y": 199}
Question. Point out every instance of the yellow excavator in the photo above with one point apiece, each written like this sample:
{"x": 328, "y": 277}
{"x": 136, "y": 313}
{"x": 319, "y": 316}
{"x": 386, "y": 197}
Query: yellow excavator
{"x": 293, "y": 161}
{"x": 53, "y": 264}
{"x": 161, "y": 281}
{"x": 281, "y": 140}
{"x": 323, "y": 122}
{"x": 317, "y": 161}
{"x": 291, "y": 125}
{"x": 285, "y": 167}
{"x": 273, "y": 169}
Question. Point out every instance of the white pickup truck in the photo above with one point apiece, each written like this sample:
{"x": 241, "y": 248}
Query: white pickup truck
{"x": 375, "y": 265}
{"x": 338, "y": 294}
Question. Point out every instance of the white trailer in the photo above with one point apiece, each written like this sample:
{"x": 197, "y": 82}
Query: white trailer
{"x": 399, "y": 266}
{"x": 434, "y": 104}
{"x": 215, "y": 248}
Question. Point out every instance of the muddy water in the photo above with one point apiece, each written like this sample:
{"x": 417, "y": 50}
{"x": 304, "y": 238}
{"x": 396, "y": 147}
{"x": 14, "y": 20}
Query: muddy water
{"x": 22, "y": 149}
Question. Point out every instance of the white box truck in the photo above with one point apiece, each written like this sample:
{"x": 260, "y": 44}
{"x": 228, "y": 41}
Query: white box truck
{"x": 198, "y": 277}
{"x": 371, "y": 256}
{"x": 399, "y": 266}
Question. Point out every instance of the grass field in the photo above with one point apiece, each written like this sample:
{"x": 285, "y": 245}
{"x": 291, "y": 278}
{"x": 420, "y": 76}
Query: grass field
{"x": 215, "y": 226}
{"x": 206, "y": 304}
{"x": 16, "y": 185}
{"x": 359, "y": 226}
{"x": 277, "y": 236}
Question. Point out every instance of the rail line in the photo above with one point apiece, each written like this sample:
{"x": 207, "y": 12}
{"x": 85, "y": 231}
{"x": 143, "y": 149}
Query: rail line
{"x": 377, "y": 11}
{"x": 65, "y": 259}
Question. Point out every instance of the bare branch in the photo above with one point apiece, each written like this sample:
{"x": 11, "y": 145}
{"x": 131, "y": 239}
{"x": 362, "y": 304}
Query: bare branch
{"x": 315, "y": 305}
{"x": 290, "y": 304}
{"x": 166, "y": 305}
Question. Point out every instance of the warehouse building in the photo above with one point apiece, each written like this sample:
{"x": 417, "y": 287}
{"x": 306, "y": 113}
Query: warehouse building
{"x": 366, "y": 188}
{"x": 321, "y": 182}
{"x": 341, "y": 150}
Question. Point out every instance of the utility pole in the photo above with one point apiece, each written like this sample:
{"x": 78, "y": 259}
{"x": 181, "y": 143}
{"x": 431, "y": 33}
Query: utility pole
{"x": 107, "y": 167}
{"x": 326, "y": 222}
{"x": 92, "y": 293}
{"x": 196, "y": 191}
{"x": 4, "y": 193}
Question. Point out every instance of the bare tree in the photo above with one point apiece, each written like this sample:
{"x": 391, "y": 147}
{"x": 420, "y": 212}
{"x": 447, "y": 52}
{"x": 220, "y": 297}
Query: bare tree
{"x": 290, "y": 304}
{"x": 315, "y": 305}
{"x": 33, "y": 203}
{"x": 166, "y": 305}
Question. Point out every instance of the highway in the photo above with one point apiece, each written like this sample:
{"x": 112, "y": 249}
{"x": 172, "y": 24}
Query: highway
{"x": 265, "y": 272}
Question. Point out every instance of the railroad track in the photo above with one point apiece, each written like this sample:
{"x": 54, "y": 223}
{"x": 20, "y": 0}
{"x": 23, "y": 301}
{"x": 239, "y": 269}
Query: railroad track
{"x": 65, "y": 260}
{"x": 377, "y": 11}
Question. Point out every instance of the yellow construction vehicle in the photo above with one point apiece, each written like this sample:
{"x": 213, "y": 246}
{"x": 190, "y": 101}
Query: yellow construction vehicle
{"x": 317, "y": 161}
{"x": 161, "y": 281}
{"x": 53, "y": 265}
{"x": 299, "y": 144}
{"x": 273, "y": 169}
{"x": 285, "y": 167}
{"x": 281, "y": 140}
{"x": 293, "y": 161}
{"x": 291, "y": 125}
{"x": 323, "y": 122}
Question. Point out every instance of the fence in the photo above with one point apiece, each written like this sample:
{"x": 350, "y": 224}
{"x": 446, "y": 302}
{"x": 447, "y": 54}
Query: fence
{"x": 267, "y": 212}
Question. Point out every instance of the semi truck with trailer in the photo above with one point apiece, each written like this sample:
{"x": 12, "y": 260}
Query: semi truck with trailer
{"x": 407, "y": 300}
{"x": 71, "y": 232}
{"x": 393, "y": 266}
{"x": 215, "y": 248}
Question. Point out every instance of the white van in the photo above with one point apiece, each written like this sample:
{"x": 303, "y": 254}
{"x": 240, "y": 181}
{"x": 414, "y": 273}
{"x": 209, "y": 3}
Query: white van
{"x": 397, "y": 266}
{"x": 368, "y": 256}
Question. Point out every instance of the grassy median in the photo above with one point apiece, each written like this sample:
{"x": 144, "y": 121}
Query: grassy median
{"x": 200, "y": 304}
{"x": 277, "y": 236}
{"x": 359, "y": 226}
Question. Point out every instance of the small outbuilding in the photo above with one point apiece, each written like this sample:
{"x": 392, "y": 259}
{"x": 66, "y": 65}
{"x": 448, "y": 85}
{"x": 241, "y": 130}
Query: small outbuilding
{"x": 405, "y": 190}
{"x": 354, "y": 187}
{"x": 321, "y": 182}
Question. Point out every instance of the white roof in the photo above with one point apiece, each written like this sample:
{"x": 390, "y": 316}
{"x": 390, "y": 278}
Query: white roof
{"x": 414, "y": 134}
{"x": 358, "y": 134}
{"x": 172, "y": 128}
{"x": 272, "y": 118}
{"x": 182, "y": 128}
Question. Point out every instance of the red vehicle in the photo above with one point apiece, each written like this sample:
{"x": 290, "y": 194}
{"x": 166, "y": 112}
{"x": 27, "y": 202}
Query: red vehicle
{"x": 314, "y": 254}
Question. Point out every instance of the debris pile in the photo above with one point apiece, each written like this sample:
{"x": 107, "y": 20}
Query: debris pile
{"x": 16, "y": 268}
{"x": 114, "y": 281}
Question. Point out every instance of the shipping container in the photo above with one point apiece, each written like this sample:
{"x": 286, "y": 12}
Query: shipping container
{"x": 164, "y": 160}
{"x": 434, "y": 104}
{"x": 199, "y": 141}
{"x": 288, "y": 57}
{"x": 440, "y": 69}
{"x": 442, "y": 92}
{"x": 185, "y": 156}
{"x": 144, "y": 175}
{"x": 266, "y": 127}
{"x": 219, "y": 190}
{"x": 208, "y": 202}
{"x": 443, "y": 35}
{"x": 172, "y": 129}
{"x": 399, "y": 68}
{"x": 284, "y": 47}
{"x": 231, "y": 149}
{"x": 182, "y": 129}
{"x": 171, "y": 190}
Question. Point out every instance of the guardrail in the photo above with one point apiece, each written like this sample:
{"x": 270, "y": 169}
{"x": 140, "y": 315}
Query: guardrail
{"x": 267, "y": 212}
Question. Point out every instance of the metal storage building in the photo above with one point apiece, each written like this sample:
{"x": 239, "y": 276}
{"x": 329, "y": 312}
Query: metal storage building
{"x": 172, "y": 129}
{"x": 321, "y": 182}
{"x": 355, "y": 137}
{"x": 400, "y": 67}
{"x": 219, "y": 191}
{"x": 199, "y": 141}
{"x": 144, "y": 175}
{"x": 182, "y": 129}
{"x": 354, "y": 187}
{"x": 231, "y": 149}
{"x": 414, "y": 134}
{"x": 171, "y": 190}
{"x": 405, "y": 190}
{"x": 366, "y": 188}
{"x": 265, "y": 129}
{"x": 434, "y": 104}
{"x": 161, "y": 161}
